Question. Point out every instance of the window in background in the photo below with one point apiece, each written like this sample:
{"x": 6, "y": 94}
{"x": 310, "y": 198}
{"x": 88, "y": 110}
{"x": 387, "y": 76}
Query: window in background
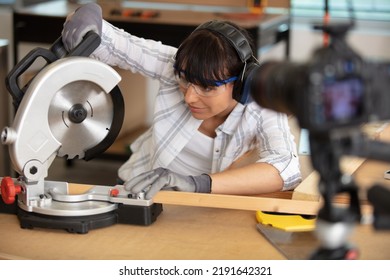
{"x": 377, "y": 10}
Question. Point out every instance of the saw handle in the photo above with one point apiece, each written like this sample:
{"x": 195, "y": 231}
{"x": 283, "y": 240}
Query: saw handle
{"x": 89, "y": 43}
{"x": 86, "y": 47}
{"x": 11, "y": 80}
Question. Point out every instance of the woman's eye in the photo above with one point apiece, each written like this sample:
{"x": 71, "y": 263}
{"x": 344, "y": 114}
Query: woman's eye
{"x": 208, "y": 89}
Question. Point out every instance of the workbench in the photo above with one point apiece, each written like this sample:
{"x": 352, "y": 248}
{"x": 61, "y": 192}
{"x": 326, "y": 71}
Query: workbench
{"x": 192, "y": 228}
{"x": 42, "y": 23}
{"x": 180, "y": 232}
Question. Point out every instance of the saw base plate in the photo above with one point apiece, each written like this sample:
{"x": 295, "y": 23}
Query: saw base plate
{"x": 138, "y": 215}
{"x": 78, "y": 224}
{"x": 124, "y": 214}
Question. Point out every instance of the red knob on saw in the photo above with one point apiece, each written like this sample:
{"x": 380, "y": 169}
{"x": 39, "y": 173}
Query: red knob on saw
{"x": 9, "y": 190}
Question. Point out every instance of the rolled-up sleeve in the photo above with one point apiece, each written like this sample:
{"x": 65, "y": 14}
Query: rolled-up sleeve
{"x": 278, "y": 148}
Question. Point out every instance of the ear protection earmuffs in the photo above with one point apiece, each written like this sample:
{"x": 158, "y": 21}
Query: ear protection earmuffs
{"x": 243, "y": 48}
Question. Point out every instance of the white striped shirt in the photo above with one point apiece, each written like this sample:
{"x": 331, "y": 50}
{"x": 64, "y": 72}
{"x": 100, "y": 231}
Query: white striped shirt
{"x": 247, "y": 127}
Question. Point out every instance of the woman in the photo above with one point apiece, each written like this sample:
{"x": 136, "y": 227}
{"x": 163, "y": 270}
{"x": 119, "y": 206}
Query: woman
{"x": 203, "y": 133}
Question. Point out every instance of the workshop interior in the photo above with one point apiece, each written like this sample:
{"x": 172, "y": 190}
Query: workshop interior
{"x": 317, "y": 49}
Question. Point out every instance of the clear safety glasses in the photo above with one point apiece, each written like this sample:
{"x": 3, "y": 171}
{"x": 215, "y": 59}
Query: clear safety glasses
{"x": 202, "y": 91}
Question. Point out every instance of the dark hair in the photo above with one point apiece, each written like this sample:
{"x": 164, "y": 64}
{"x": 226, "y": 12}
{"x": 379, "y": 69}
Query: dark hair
{"x": 207, "y": 56}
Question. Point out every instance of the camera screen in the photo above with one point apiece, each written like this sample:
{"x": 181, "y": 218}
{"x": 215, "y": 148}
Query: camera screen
{"x": 343, "y": 100}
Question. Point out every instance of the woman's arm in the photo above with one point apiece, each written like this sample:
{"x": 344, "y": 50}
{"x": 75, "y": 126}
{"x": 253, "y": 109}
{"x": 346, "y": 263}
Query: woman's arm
{"x": 272, "y": 166}
{"x": 147, "y": 57}
{"x": 251, "y": 179}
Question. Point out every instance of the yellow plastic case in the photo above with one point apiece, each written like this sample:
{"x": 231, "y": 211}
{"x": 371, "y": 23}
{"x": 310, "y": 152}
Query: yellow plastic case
{"x": 286, "y": 222}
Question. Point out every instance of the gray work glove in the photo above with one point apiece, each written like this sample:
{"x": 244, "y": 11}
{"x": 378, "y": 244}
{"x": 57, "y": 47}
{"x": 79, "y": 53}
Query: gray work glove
{"x": 160, "y": 178}
{"x": 77, "y": 24}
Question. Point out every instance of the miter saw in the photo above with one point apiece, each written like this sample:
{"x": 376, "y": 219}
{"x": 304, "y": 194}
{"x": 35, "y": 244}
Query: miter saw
{"x": 72, "y": 108}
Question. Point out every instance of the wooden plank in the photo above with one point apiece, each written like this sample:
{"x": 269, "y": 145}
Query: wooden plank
{"x": 253, "y": 203}
{"x": 238, "y": 202}
{"x": 250, "y": 203}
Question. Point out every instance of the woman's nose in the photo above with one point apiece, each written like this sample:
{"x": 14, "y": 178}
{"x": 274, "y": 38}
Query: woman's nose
{"x": 190, "y": 94}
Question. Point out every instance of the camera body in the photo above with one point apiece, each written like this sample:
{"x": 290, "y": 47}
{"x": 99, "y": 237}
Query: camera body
{"x": 335, "y": 89}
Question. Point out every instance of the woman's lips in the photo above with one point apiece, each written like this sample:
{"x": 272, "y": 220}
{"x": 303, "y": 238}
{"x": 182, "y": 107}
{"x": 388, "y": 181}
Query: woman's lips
{"x": 196, "y": 109}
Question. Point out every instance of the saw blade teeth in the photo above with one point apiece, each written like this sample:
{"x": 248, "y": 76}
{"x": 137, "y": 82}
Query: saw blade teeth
{"x": 70, "y": 156}
{"x": 79, "y": 116}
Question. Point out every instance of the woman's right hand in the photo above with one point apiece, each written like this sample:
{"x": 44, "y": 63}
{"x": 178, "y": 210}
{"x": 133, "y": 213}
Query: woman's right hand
{"x": 77, "y": 24}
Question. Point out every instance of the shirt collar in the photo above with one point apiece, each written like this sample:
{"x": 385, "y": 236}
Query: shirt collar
{"x": 233, "y": 120}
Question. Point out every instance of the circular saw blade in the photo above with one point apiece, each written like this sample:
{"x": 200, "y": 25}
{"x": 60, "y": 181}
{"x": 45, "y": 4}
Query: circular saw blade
{"x": 80, "y": 116}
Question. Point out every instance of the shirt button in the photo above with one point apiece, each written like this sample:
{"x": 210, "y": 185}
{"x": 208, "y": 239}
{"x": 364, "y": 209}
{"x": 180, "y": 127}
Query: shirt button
{"x": 217, "y": 150}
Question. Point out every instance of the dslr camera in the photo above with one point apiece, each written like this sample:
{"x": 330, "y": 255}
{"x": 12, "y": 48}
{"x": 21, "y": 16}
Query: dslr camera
{"x": 331, "y": 96}
{"x": 335, "y": 89}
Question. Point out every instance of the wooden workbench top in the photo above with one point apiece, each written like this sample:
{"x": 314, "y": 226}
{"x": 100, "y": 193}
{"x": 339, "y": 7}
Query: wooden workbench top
{"x": 181, "y": 17}
{"x": 180, "y": 232}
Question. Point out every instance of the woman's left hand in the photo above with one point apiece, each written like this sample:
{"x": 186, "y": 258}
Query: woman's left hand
{"x": 160, "y": 178}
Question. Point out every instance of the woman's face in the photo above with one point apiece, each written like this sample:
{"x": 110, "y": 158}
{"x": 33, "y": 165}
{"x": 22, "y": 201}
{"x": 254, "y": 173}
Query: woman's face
{"x": 218, "y": 104}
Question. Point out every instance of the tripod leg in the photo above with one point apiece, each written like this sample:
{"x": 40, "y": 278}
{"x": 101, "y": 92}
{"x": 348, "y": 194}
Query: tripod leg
{"x": 334, "y": 224}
